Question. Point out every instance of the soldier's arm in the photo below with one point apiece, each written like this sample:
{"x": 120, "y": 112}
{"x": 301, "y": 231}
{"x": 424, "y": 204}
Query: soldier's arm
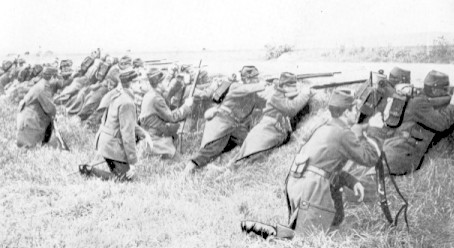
{"x": 47, "y": 104}
{"x": 240, "y": 90}
{"x": 127, "y": 119}
{"x": 358, "y": 150}
{"x": 173, "y": 88}
{"x": 287, "y": 106}
{"x": 346, "y": 179}
{"x": 168, "y": 115}
{"x": 436, "y": 119}
{"x": 206, "y": 92}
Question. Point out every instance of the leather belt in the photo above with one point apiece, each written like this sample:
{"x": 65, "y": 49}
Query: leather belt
{"x": 319, "y": 171}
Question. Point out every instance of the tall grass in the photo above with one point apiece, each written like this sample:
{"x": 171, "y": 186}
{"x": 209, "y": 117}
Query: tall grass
{"x": 42, "y": 206}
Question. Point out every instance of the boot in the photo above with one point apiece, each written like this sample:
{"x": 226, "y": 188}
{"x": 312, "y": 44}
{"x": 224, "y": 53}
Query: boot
{"x": 262, "y": 230}
{"x": 84, "y": 170}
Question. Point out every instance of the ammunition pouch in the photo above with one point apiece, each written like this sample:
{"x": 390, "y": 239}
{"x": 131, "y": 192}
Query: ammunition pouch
{"x": 394, "y": 110}
{"x": 370, "y": 98}
{"x": 299, "y": 166}
{"x": 221, "y": 91}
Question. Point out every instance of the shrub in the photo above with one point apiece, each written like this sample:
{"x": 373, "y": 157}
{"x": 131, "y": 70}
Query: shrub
{"x": 274, "y": 52}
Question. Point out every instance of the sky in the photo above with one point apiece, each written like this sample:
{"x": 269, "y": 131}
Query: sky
{"x": 155, "y": 25}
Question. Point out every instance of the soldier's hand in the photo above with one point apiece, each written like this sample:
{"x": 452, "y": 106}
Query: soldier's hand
{"x": 359, "y": 190}
{"x": 358, "y": 129}
{"x": 131, "y": 172}
{"x": 452, "y": 100}
{"x": 189, "y": 102}
{"x": 376, "y": 120}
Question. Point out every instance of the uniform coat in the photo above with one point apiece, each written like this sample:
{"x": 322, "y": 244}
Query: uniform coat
{"x": 314, "y": 199}
{"x": 231, "y": 122}
{"x": 116, "y": 137}
{"x": 406, "y": 149}
{"x": 36, "y": 112}
{"x": 161, "y": 122}
{"x": 274, "y": 128}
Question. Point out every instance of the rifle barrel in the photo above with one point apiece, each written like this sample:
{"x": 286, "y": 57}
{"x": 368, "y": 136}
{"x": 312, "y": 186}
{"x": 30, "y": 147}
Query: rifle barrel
{"x": 330, "y": 85}
{"x": 315, "y": 75}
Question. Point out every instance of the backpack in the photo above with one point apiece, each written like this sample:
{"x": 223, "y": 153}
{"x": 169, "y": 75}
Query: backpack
{"x": 88, "y": 61}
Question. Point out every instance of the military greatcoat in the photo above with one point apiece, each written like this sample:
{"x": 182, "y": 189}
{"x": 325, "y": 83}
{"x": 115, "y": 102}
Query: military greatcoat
{"x": 116, "y": 137}
{"x": 161, "y": 122}
{"x": 231, "y": 122}
{"x": 274, "y": 128}
{"x": 313, "y": 194}
{"x": 36, "y": 112}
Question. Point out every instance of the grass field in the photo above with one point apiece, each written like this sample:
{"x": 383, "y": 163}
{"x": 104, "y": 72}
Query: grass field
{"x": 42, "y": 206}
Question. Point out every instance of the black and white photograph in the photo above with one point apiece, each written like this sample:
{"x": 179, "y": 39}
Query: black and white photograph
{"x": 225, "y": 124}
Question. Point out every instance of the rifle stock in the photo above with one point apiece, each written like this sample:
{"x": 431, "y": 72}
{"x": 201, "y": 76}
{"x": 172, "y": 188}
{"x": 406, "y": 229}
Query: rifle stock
{"x": 60, "y": 139}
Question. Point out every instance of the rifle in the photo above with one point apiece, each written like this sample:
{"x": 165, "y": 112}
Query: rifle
{"x": 60, "y": 139}
{"x": 153, "y": 61}
{"x": 316, "y": 75}
{"x": 191, "y": 93}
{"x": 161, "y": 63}
{"x": 337, "y": 84}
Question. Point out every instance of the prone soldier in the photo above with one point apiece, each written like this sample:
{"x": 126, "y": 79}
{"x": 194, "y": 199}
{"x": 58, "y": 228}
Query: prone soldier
{"x": 422, "y": 118}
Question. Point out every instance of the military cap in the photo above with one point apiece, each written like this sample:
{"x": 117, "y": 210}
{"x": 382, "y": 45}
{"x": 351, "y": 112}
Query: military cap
{"x": 128, "y": 76}
{"x": 436, "y": 79}
{"x": 400, "y": 75}
{"x": 6, "y": 65}
{"x": 249, "y": 71}
{"x": 37, "y": 69}
{"x": 50, "y": 70}
{"x": 287, "y": 78}
{"x": 21, "y": 61}
{"x": 137, "y": 62}
{"x": 184, "y": 67}
{"x": 342, "y": 98}
{"x": 155, "y": 76}
{"x": 125, "y": 60}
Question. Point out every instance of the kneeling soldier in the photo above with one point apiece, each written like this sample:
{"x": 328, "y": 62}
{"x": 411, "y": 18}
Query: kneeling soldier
{"x": 116, "y": 138}
{"x": 37, "y": 111}
{"x": 316, "y": 176}
{"x": 157, "y": 118}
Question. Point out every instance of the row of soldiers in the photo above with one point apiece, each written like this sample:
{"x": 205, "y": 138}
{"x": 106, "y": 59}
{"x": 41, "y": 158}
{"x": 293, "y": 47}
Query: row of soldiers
{"x": 385, "y": 117}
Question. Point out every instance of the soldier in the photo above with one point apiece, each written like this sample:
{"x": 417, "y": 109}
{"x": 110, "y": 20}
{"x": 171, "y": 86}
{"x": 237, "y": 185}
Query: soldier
{"x": 274, "y": 128}
{"x": 116, "y": 137}
{"x": 36, "y": 112}
{"x": 229, "y": 124}
{"x": 425, "y": 116}
{"x": 157, "y": 118}
{"x": 6, "y": 77}
{"x": 313, "y": 183}
{"x": 98, "y": 90}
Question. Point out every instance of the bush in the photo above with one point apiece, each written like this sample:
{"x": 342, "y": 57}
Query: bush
{"x": 274, "y": 52}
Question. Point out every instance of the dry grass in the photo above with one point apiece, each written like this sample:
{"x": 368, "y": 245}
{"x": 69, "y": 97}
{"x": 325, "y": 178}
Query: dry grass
{"x": 41, "y": 206}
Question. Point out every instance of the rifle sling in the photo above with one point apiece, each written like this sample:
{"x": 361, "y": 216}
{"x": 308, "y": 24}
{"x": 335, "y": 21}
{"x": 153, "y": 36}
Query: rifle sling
{"x": 381, "y": 190}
